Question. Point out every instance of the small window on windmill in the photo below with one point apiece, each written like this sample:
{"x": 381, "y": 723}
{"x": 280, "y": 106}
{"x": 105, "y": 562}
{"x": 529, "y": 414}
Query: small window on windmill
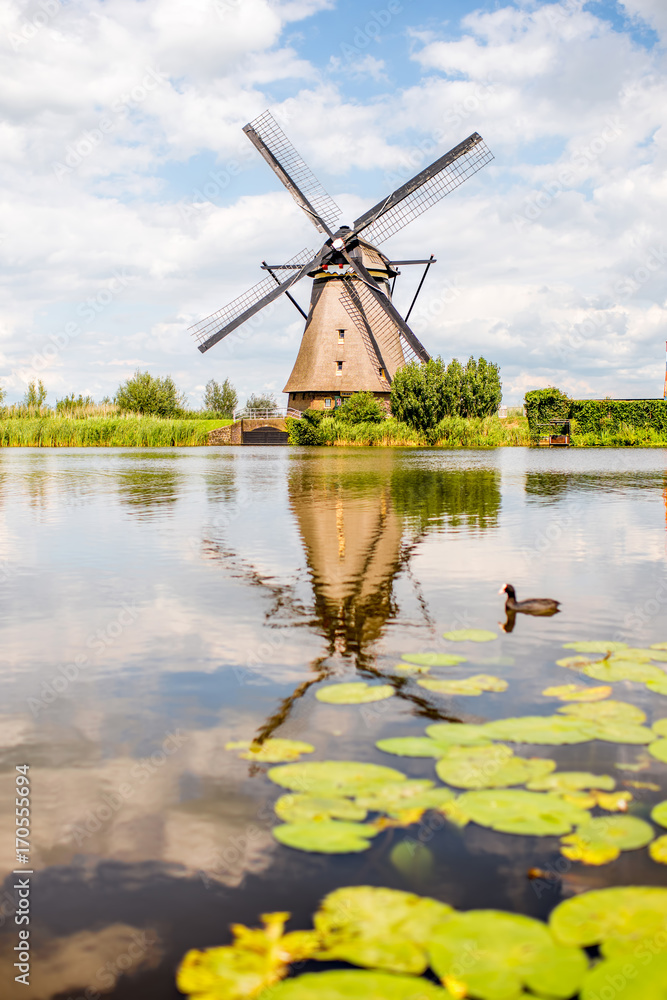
{"x": 327, "y": 403}
{"x": 381, "y": 373}
{"x": 339, "y": 368}
{"x": 341, "y": 336}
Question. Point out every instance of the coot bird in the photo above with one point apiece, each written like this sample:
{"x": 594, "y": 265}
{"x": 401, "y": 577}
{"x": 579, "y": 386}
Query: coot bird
{"x": 533, "y": 606}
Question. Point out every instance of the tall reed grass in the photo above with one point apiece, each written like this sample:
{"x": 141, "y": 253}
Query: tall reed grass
{"x": 623, "y": 436}
{"x": 452, "y": 432}
{"x": 113, "y": 431}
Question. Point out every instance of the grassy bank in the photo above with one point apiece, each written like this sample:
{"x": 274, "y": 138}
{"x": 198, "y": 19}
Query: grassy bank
{"x": 453, "y": 432}
{"x": 113, "y": 431}
{"x": 624, "y": 436}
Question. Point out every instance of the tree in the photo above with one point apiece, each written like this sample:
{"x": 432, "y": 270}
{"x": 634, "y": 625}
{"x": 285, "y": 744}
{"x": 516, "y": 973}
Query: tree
{"x": 221, "y": 399}
{"x": 35, "y": 394}
{"x": 361, "y": 408}
{"x": 3, "y": 393}
{"x": 423, "y": 394}
{"x": 265, "y": 402}
{"x": 150, "y": 395}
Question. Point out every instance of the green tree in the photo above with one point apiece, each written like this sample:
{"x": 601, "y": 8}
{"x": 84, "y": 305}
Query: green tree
{"x": 35, "y": 394}
{"x": 72, "y": 402}
{"x": 221, "y": 399}
{"x": 150, "y": 395}
{"x": 361, "y": 408}
{"x": 418, "y": 394}
{"x": 3, "y": 393}
{"x": 481, "y": 390}
{"x": 265, "y": 402}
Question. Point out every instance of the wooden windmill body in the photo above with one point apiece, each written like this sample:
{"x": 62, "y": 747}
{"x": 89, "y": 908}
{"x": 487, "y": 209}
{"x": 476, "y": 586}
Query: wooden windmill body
{"x": 355, "y": 339}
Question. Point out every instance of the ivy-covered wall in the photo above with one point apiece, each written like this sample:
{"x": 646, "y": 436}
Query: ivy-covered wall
{"x": 592, "y": 415}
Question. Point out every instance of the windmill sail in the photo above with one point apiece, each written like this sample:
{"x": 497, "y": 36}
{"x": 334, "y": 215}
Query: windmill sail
{"x": 424, "y": 190}
{"x": 267, "y": 136}
{"x": 367, "y": 313}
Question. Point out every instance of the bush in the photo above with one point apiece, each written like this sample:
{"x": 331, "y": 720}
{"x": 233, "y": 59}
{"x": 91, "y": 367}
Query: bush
{"x": 150, "y": 395}
{"x": 361, "y": 408}
{"x": 306, "y": 430}
{"x": 220, "y": 399}
{"x": 547, "y": 404}
{"x": 424, "y": 394}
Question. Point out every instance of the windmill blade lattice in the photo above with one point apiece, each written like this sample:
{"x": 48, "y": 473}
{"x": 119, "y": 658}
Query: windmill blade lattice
{"x": 296, "y": 169}
{"x": 223, "y": 318}
{"x": 366, "y": 311}
{"x": 424, "y": 190}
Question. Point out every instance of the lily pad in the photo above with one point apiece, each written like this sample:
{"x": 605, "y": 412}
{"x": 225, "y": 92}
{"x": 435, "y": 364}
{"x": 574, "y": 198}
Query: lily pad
{"x": 658, "y": 687}
{"x": 271, "y": 751}
{"x": 572, "y": 781}
{"x": 576, "y": 662}
{"x": 602, "y": 839}
{"x": 457, "y": 734}
{"x": 659, "y": 813}
{"x": 609, "y": 711}
{"x": 256, "y": 960}
{"x": 470, "y": 635}
{"x": 415, "y": 794}
{"x": 307, "y": 808}
{"x": 658, "y": 850}
{"x": 595, "y": 646}
{"x": 413, "y": 860}
{"x": 548, "y": 730}
{"x": 647, "y": 981}
{"x": 623, "y": 670}
{"x": 659, "y": 645}
{"x": 326, "y": 836}
{"x": 378, "y": 928}
{"x": 660, "y": 727}
{"x": 333, "y": 777}
{"x": 435, "y": 659}
{"x": 627, "y": 732}
{"x": 642, "y": 654}
{"x": 492, "y": 955}
{"x": 412, "y": 746}
{"x": 355, "y": 984}
{"x": 538, "y": 814}
{"x": 354, "y": 693}
{"x": 411, "y": 668}
{"x": 618, "y": 919}
{"x": 471, "y": 686}
{"x": 659, "y": 750}
{"x": 577, "y": 692}
{"x": 489, "y": 767}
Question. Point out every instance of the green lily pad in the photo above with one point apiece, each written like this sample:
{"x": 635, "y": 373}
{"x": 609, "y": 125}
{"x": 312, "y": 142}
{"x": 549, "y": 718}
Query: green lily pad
{"x": 577, "y": 692}
{"x": 411, "y": 746}
{"x": 647, "y": 981}
{"x": 615, "y": 732}
{"x": 658, "y": 687}
{"x": 378, "y": 928}
{"x": 435, "y": 659}
{"x": 659, "y": 750}
{"x": 608, "y": 711}
{"x": 658, "y": 850}
{"x": 659, "y": 813}
{"x": 271, "y": 751}
{"x": 413, "y": 860}
{"x": 659, "y": 727}
{"x": 659, "y": 645}
{"x": 457, "y": 734}
{"x": 489, "y": 767}
{"x": 623, "y": 670}
{"x": 354, "y": 984}
{"x": 470, "y": 635}
{"x": 548, "y": 730}
{"x": 641, "y": 654}
{"x": 471, "y": 686}
{"x": 602, "y": 839}
{"x": 411, "y": 668}
{"x": 595, "y": 646}
{"x": 354, "y": 693}
{"x": 538, "y": 814}
{"x": 326, "y": 836}
{"x": 576, "y": 662}
{"x": 492, "y": 955}
{"x": 618, "y": 919}
{"x": 572, "y": 781}
{"x": 333, "y": 777}
{"x": 307, "y": 808}
{"x": 415, "y": 794}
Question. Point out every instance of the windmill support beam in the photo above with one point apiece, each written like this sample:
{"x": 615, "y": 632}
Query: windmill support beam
{"x": 428, "y": 264}
{"x": 266, "y": 267}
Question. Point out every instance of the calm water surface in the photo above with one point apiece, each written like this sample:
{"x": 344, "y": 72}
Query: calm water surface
{"x": 155, "y": 604}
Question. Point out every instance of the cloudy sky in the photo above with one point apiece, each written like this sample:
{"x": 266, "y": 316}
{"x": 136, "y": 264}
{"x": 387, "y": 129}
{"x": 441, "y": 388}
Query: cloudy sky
{"x": 133, "y": 205}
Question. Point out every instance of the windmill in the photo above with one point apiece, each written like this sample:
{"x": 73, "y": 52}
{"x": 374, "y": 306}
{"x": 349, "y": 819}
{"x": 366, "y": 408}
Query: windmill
{"x": 355, "y": 339}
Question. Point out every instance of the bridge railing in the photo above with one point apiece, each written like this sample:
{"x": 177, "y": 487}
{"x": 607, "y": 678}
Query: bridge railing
{"x": 275, "y": 412}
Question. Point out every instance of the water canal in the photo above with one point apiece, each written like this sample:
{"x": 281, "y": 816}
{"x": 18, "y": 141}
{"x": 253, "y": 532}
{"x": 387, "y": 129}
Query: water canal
{"x": 155, "y": 604}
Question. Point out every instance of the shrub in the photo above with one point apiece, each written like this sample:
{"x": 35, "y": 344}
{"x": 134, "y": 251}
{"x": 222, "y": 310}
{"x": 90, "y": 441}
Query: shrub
{"x": 220, "y": 399}
{"x": 546, "y": 404}
{"x": 306, "y": 430}
{"x": 150, "y": 395}
{"x": 424, "y": 394}
{"x": 361, "y": 408}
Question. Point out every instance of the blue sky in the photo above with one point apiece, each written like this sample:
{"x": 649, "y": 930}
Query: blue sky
{"x": 132, "y": 204}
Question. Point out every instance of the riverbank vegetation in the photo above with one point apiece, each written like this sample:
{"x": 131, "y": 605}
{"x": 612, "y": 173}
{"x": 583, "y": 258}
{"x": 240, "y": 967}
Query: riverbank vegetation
{"x": 451, "y": 432}
{"x": 111, "y": 430}
{"x": 597, "y": 423}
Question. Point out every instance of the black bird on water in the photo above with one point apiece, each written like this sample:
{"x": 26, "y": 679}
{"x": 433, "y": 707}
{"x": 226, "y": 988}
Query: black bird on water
{"x": 533, "y": 606}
